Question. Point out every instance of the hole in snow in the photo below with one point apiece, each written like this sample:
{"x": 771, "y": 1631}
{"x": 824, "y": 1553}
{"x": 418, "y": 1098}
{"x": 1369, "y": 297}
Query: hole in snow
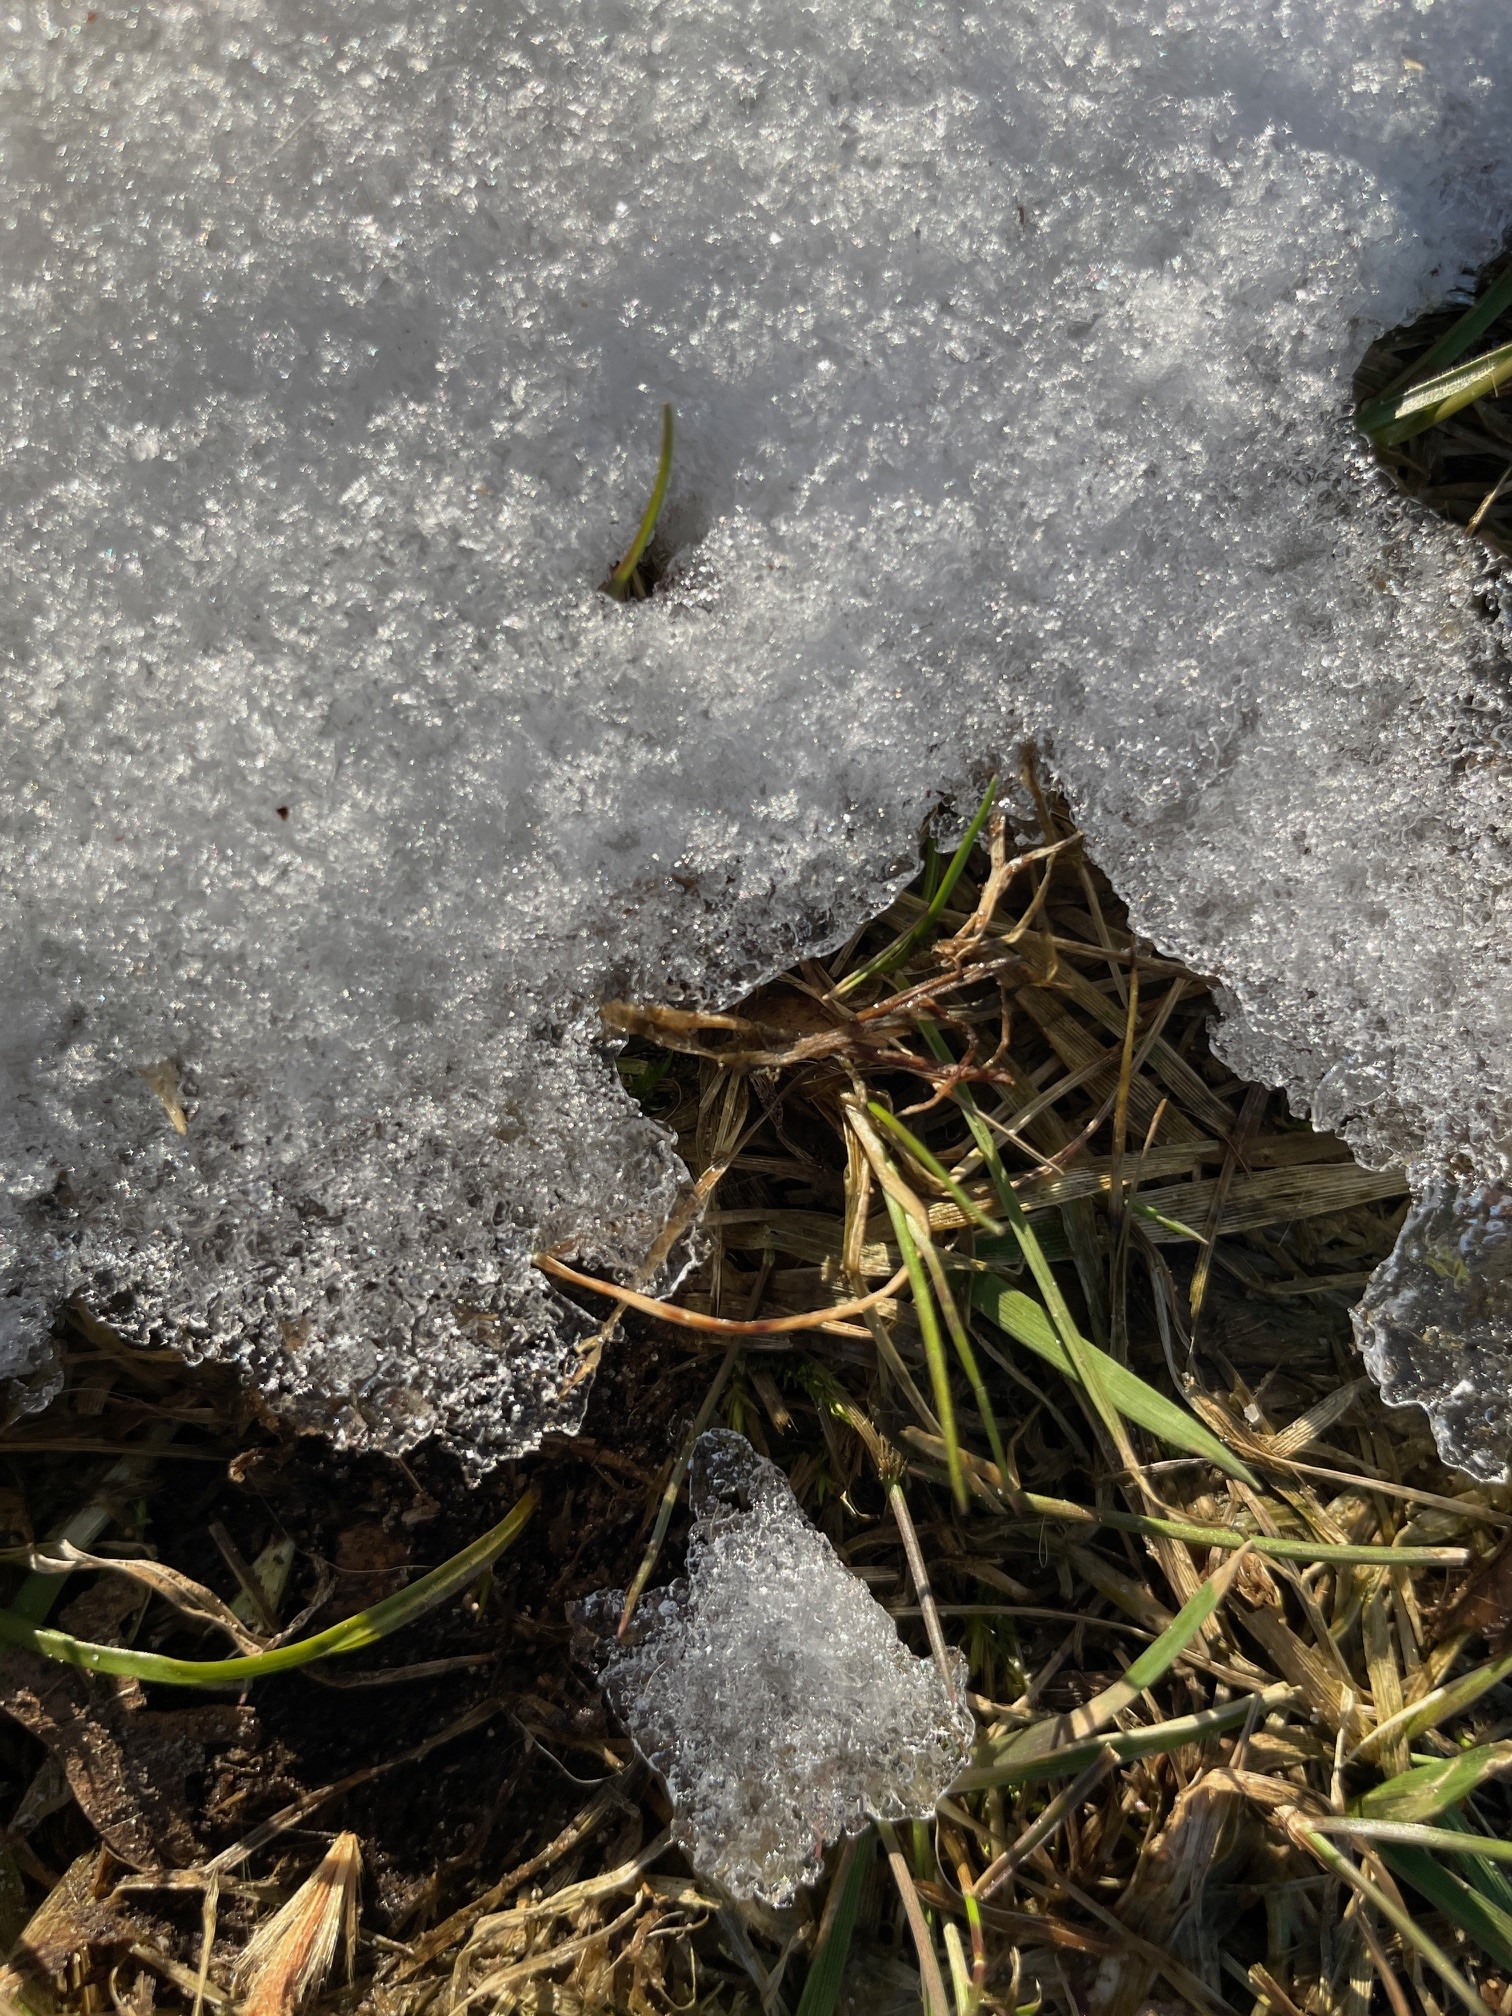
{"x": 1191, "y": 1186}
{"x": 1462, "y": 466}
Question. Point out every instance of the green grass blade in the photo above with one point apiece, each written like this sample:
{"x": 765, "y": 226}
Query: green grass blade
{"x": 348, "y": 1636}
{"x": 894, "y": 954}
{"x": 1036, "y": 1507}
{"x": 1430, "y": 1789}
{"x": 1442, "y": 1705}
{"x": 1154, "y": 1217}
{"x": 1128, "y": 1745}
{"x": 1024, "y": 1320}
{"x": 1424, "y": 405}
{"x": 1394, "y": 1914}
{"x": 826, "y": 1975}
{"x": 1484, "y": 1848}
{"x": 1481, "y": 1853}
{"x": 934, "y": 1345}
{"x": 926, "y": 1159}
{"x": 618, "y": 584}
{"x": 1290, "y": 1550}
{"x": 1077, "y": 1349}
{"x": 1452, "y": 345}
{"x": 934, "y": 867}
{"x": 981, "y": 1133}
{"x": 960, "y": 1337}
{"x": 1055, "y": 1731}
{"x": 1486, "y": 1923}
{"x": 1481, "y": 1870}
{"x": 906, "y": 1210}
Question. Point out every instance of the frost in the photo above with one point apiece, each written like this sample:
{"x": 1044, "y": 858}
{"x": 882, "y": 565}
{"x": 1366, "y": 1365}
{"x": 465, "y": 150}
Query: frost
{"x": 771, "y": 1692}
{"x": 1011, "y": 349}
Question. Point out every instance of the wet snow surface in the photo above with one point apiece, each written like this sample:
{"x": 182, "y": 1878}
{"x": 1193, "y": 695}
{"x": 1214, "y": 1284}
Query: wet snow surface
{"x": 770, "y": 1690}
{"x": 1011, "y": 348}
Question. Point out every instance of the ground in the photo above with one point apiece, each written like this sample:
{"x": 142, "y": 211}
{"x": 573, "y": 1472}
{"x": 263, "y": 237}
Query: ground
{"x": 1193, "y": 1231}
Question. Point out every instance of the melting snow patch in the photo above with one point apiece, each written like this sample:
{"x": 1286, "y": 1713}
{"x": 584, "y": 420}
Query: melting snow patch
{"x": 1011, "y": 348}
{"x": 771, "y": 1692}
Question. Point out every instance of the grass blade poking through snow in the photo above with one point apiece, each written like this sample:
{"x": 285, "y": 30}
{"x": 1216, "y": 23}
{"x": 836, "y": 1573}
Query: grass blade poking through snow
{"x": 1450, "y": 347}
{"x": 620, "y": 582}
{"x": 1389, "y": 422}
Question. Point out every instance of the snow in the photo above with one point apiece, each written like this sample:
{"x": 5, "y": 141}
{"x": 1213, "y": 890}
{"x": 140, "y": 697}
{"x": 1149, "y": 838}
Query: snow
{"x": 771, "y": 1692}
{"x": 1011, "y": 350}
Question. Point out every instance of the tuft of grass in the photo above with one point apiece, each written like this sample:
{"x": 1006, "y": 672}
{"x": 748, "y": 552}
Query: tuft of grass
{"x": 1433, "y": 414}
{"x": 990, "y": 1162}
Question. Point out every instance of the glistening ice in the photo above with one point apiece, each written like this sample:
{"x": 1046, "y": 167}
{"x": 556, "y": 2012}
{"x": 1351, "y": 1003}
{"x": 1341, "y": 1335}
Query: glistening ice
{"x": 1011, "y": 348}
{"x": 770, "y": 1691}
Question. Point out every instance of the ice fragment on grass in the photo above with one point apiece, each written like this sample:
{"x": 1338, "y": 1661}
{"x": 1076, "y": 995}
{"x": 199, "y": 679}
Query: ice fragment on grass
{"x": 1435, "y": 1322}
{"x": 771, "y": 1692}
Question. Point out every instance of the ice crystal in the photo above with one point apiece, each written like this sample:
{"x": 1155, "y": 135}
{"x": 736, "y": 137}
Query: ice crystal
{"x": 771, "y": 1692}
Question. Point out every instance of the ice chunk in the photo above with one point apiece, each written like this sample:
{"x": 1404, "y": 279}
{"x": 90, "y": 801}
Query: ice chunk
{"x": 1011, "y": 347}
{"x": 771, "y": 1692}
{"x": 1436, "y": 1321}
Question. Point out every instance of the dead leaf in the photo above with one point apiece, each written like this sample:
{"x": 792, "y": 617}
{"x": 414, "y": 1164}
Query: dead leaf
{"x": 127, "y": 1767}
{"x": 163, "y": 1079}
{"x": 74, "y": 1916}
{"x": 197, "y": 1602}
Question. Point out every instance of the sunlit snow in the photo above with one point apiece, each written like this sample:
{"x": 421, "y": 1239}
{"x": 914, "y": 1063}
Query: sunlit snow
{"x": 1011, "y": 346}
